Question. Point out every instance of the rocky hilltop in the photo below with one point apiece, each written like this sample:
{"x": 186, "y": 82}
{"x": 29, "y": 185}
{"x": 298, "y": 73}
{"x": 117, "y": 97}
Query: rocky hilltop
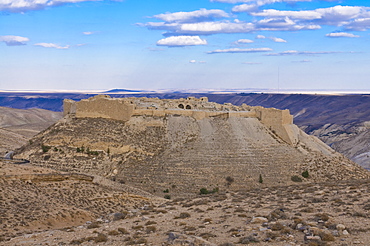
{"x": 177, "y": 147}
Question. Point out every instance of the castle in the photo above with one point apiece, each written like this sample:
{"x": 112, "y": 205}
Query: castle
{"x": 280, "y": 122}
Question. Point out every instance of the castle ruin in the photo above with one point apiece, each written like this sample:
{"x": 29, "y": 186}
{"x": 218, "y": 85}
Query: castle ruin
{"x": 103, "y": 106}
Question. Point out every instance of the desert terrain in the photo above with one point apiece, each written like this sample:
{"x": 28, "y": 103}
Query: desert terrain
{"x": 67, "y": 211}
{"x": 74, "y": 193}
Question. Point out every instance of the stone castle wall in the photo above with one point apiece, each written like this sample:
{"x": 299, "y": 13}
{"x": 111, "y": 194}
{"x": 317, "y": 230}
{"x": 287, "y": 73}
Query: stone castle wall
{"x": 103, "y": 106}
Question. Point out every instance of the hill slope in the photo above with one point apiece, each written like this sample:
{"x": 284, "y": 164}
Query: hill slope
{"x": 181, "y": 154}
{"x": 19, "y": 125}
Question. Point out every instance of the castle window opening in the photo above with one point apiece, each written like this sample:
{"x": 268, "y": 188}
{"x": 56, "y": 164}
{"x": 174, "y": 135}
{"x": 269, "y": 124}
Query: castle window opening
{"x": 181, "y": 106}
{"x": 188, "y": 107}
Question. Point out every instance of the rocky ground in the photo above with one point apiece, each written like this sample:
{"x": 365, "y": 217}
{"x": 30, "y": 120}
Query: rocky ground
{"x": 36, "y": 199}
{"x": 81, "y": 212}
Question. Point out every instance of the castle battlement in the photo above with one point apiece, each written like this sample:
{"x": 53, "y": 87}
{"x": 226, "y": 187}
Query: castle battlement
{"x": 103, "y": 106}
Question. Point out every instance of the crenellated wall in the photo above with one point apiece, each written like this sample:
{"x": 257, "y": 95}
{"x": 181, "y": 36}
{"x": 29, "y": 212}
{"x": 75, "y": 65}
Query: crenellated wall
{"x": 103, "y": 106}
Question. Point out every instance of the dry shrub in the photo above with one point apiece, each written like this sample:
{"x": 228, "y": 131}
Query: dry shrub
{"x": 77, "y": 241}
{"x": 322, "y": 216}
{"x": 138, "y": 227}
{"x": 113, "y": 233}
{"x": 123, "y": 230}
{"x": 93, "y": 225}
{"x": 277, "y": 227}
{"x": 101, "y": 238}
{"x": 183, "y": 215}
{"x": 150, "y": 229}
{"x": 207, "y": 235}
{"x": 150, "y": 222}
{"x": 327, "y": 237}
{"x": 190, "y": 228}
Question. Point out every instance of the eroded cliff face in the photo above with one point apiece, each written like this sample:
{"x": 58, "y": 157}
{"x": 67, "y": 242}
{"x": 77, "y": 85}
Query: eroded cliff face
{"x": 183, "y": 154}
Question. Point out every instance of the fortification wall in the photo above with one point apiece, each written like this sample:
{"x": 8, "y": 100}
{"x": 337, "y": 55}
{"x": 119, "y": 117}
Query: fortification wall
{"x": 100, "y": 107}
{"x": 103, "y": 106}
{"x": 279, "y": 121}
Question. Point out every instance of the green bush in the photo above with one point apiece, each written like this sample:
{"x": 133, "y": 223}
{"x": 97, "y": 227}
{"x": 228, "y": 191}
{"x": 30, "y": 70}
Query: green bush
{"x": 205, "y": 191}
{"x": 82, "y": 149}
{"x": 45, "y": 148}
{"x": 305, "y": 174}
{"x": 260, "y": 179}
{"x": 167, "y": 196}
{"x": 295, "y": 178}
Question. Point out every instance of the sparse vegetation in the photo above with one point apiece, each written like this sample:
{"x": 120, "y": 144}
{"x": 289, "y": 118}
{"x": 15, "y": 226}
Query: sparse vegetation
{"x": 260, "y": 180}
{"x": 80, "y": 150}
{"x": 229, "y": 180}
{"x": 93, "y": 225}
{"x": 101, "y": 238}
{"x": 305, "y": 174}
{"x": 296, "y": 178}
{"x": 45, "y": 148}
{"x": 122, "y": 230}
{"x": 205, "y": 191}
{"x": 183, "y": 215}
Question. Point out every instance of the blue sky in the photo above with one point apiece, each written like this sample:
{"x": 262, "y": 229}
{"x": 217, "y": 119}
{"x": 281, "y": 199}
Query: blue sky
{"x": 162, "y": 44}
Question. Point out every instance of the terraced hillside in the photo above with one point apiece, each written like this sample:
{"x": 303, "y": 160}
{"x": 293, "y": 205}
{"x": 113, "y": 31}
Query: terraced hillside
{"x": 181, "y": 155}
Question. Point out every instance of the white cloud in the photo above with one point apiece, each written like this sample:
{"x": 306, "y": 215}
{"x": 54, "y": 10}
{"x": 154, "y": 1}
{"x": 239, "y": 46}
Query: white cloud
{"x": 176, "y": 41}
{"x": 238, "y": 50}
{"x": 339, "y": 15}
{"x": 27, "y": 5}
{"x": 194, "y": 16}
{"x": 251, "y": 63}
{"x": 295, "y": 52}
{"x": 341, "y": 35}
{"x": 259, "y": 2}
{"x": 217, "y": 27}
{"x": 283, "y": 24}
{"x": 278, "y": 40}
{"x": 244, "y": 41}
{"x": 360, "y": 24}
{"x": 303, "y": 15}
{"x": 88, "y": 33}
{"x": 200, "y": 22}
{"x": 10, "y": 40}
{"x": 51, "y": 45}
{"x": 336, "y": 16}
{"x": 302, "y": 61}
{"x": 245, "y": 8}
{"x": 275, "y": 39}
{"x": 195, "y": 61}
